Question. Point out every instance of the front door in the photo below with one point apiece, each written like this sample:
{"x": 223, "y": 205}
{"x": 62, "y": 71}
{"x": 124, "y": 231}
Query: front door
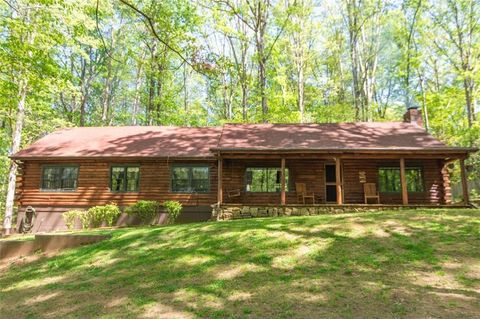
{"x": 330, "y": 183}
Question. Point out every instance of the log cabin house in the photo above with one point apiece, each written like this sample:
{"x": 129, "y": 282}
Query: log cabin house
{"x": 261, "y": 165}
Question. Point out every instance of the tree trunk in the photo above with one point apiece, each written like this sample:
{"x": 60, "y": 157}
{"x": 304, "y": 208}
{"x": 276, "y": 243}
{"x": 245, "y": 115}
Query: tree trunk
{"x": 240, "y": 65}
{"x": 17, "y": 138}
{"x": 227, "y": 103}
{"x": 263, "y": 85}
{"x": 468, "y": 87}
{"x": 363, "y": 28}
{"x": 83, "y": 104}
{"x": 83, "y": 90}
{"x": 151, "y": 97}
{"x": 353, "y": 48}
{"x": 424, "y": 101}
{"x": 260, "y": 29}
{"x": 244, "y": 102}
{"x": 136, "y": 100}
{"x": 300, "y": 58}
{"x": 301, "y": 93}
{"x": 185, "y": 88}
{"x": 106, "y": 94}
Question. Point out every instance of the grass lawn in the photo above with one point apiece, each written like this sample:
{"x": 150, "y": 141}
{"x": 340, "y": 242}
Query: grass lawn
{"x": 412, "y": 264}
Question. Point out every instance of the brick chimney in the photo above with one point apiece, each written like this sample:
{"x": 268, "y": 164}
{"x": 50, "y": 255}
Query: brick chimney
{"x": 414, "y": 116}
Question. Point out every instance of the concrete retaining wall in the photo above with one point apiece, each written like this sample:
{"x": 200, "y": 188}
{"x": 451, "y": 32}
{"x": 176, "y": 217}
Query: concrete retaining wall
{"x": 49, "y": 218}
{"x": 46, "y": 243}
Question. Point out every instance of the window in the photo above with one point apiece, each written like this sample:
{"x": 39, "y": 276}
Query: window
{"x": 190, "y": 179}
{"x": 124, "y": 178}
{"x": 414, "y": 178}
{"x": 60, "y": 178}
{"x": 389, "y": 179}
{"x": 265, "y": 179}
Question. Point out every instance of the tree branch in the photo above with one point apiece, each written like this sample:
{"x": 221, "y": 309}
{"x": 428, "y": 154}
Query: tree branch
{"x": 157, "y": 36}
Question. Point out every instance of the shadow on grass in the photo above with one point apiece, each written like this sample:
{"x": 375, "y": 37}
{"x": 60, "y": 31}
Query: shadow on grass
{"x": 412, "y": 264}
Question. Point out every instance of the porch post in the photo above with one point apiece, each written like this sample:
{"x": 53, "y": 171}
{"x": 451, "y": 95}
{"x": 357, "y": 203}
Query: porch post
{"x": 220, "y": 181}
{"x": 466, "y": 196}
{"x": 282, "y": 177}
{"x": 403, "y": 180}
{"x": 338, "y": 180}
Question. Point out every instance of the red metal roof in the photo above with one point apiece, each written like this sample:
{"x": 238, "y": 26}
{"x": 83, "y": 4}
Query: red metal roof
{"x": 125, "y": 141}
{"x": 188, "y": 142}
{"x": 331, "y": 136}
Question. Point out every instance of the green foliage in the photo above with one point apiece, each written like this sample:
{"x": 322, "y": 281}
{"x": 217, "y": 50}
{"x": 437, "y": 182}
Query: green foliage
{"x": 93, "y": 217}
{"x": 98, "y": 214}
{"x": 85, "y": 219}
{"x": 146, "y": 210}
{"x": 97, "y": 63}
{"x": 70, "y": 216}
{"x": 173, "y": 208}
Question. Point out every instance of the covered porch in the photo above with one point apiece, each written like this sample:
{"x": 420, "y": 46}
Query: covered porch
{"x": 385, "y": 179}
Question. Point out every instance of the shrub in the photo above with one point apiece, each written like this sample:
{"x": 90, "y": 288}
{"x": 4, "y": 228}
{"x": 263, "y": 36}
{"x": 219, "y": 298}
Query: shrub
{"x": 70, "y": 216}
{"x": 173, "y": 209}
{"x": 85, "y": 219}
{"x": 93, "y": 217}
{"x": 98, "y": 214}
{"x": 146, "y": 210}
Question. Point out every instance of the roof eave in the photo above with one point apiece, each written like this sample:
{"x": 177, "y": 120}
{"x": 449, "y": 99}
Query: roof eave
{"x": 116, "y": 157}
{"x": 439, "y": 150}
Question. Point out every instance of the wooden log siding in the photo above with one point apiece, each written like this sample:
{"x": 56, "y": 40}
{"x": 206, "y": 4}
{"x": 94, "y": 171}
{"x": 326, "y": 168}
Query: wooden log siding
{"x": 94, "y": 185}
{"x": 432, "y": 176}
{"x": 447, "y": 189}
{"x": 312, "y": 173}
{"x": 94, "y": 182}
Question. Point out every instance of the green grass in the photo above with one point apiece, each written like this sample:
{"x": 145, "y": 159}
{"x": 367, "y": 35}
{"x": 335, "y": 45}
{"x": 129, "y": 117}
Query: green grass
{"x": 395, "y": 264}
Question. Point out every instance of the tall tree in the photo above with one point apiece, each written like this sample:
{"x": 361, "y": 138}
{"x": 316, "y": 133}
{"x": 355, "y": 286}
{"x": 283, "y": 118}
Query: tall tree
{"x": 459, "y": 21}
{"x": 300, "y": 32}
{"x": 27, "y": 48}
{"x": 256, "y": 15}
{"x": 364, "y": 22}
{"x": 239, "y": 46}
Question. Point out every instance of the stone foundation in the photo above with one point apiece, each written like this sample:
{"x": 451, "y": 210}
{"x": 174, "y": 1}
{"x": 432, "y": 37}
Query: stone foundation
{"x": 229, "y": 212}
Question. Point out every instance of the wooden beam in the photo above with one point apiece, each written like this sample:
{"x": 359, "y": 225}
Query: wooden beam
{"x": 220, "y": 181}
{"x": 326, "y": 156}
{"x": 403, "y": 181}
{"x": 282, "y": 176}
{"x": 338, "y": 180}
{"x": 463, "y": 172}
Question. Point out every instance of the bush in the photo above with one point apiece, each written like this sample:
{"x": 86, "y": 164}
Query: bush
{"x": 94, "y": 217}
{"x": 173, "y": 209}
{"x": 70, "y": 216}
{"x": 85, "y": 220}
{"x": 98, "y": 214}
{"x": 146, "y": 210}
